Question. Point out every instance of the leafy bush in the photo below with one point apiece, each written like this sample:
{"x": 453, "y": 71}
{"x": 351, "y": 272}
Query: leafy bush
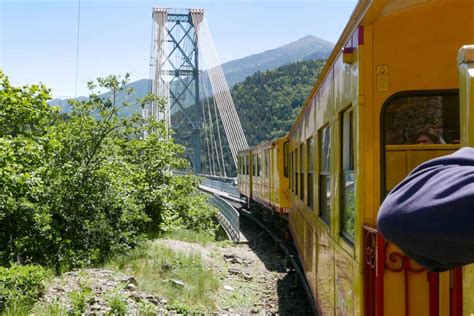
{"x": 76, "y": 189}
{"x": 21, "y": 285}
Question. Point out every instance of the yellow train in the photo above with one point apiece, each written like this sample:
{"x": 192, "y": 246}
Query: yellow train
{"x": 387, "y": 99}
{"x": 262, "y": 176}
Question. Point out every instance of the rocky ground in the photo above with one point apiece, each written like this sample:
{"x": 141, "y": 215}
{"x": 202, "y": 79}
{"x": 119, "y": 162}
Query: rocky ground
{"x": 253, "y": 280}
{"x": 257, "y": 268}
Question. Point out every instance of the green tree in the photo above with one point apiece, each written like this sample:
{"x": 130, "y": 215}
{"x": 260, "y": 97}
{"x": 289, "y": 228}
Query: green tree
{"x": 76, "y": 189}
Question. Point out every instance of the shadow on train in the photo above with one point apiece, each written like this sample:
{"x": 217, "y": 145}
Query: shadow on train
{"x": 292, "y": 299}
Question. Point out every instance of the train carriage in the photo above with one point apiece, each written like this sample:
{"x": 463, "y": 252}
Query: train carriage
{"x": 263, "y": 176}
{"x": 387, "y": 100}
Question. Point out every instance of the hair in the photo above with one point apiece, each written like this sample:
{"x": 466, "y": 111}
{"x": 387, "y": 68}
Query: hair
{"x": 430, "y": 132}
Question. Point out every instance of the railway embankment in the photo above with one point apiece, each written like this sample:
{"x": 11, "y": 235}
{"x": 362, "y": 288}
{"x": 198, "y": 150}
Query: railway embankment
{"x": 184, "y": 274}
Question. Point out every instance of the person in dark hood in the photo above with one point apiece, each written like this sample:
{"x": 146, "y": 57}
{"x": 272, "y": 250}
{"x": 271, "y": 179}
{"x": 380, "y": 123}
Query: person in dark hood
{"x": 430, "y": 214}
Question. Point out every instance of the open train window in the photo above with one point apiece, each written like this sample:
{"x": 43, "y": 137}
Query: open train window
{"x": 301, "y": 172}
{"x": 248, "y": 164}
{"x": 285, "y": 159}
{"x": 422, "y": 119}
{"x": 416, "y": 127}
{"x": 290, "y": 170}
{"x": 255, "y": 168}
{"x": 259, "y": 165}
{"x": 348, "y": 176}
{"x": 310, "y": 177}
{"x": 325, "y": 174}
{"x": 296, "y": 171}
{"x": 266, "y": 169}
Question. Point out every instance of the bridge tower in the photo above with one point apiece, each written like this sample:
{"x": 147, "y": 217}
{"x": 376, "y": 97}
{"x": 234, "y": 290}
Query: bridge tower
{"x": 175, "y": 63}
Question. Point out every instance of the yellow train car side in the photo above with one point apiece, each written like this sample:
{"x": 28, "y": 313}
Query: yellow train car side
{"x": 387, "y": 100}
{"x": 263, "y": 175}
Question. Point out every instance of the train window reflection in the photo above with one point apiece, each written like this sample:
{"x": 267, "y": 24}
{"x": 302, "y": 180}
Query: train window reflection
{"x": 285, "y": 159}
{"x": 348, "y": 176}
{"x": 301, "y": 172}
{"x": 325, "y": 174}
{"x": 422, "y": 120}
{"x": 296, "y": 171}
{"x": 267, "y": 163}
{"x": 310, "y": 178}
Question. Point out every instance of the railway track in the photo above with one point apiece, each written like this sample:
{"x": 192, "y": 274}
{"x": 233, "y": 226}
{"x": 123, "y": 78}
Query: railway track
{"x": 287, "y": 248}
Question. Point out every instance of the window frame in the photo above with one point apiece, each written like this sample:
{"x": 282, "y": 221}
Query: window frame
{"x": 266, "y": 163}
{"x": 383, "y": 127}
{"x": 347, "y": 165}
{"x": 310, "y": 166}
{"x": 296, "y": 172}
{"x": 324, "y": 212}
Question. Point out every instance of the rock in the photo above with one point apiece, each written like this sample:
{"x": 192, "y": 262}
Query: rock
{"x": 96, "y": 307}
{"x": 247, "y": 276}
{"x": 131, "y": 287}
{"x": 129, "y": 280}
{"x": 166, "y": 266}
{"x": 228, "y": 288}
{"x": 136, "y": 296}
{"x": 254, "y": 310}
{"x": 234, "y": 271}
{"x": 177, "y": 283}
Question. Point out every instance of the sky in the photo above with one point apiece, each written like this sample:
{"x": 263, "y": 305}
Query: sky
{"x": 38, "y": 38}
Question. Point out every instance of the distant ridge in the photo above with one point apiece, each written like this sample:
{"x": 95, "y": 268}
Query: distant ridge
{"x": 307, "y": 48}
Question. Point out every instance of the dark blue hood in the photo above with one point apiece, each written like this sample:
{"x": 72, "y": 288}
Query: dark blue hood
{"x": 430, "y": 214}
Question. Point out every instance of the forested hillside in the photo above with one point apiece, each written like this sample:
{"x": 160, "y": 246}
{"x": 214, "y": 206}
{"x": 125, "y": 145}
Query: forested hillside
{"x": 268, "y": 102}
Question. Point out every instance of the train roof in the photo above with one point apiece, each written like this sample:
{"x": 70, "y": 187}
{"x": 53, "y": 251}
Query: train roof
{"x": 365, "y": 12}
{"x": 263, "y": 145}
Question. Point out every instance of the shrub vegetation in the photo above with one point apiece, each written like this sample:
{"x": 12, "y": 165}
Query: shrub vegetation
{"x": 77, "y": 188}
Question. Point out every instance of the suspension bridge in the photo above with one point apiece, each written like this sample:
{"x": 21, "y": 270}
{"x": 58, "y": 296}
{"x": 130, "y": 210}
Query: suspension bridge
{"x": 187, "y": 74}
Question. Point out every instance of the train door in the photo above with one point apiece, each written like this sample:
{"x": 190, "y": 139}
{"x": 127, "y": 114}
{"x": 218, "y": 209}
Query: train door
{"x": 416, "y": 127}
{"x": 466, "y": 91}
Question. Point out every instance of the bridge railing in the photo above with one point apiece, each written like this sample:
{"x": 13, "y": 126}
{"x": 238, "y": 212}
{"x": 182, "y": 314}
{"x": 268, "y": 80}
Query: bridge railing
{"x": 228, "y": 216}
{"x": 224, "y": 184}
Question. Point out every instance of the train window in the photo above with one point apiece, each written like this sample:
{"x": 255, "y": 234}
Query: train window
{"x": 348, "y": 176}
{"x": 425, "y": 119}
{"x": 310, "y": 178}
{"x": 325, "y": 174}
{"x": 285, "y": 159}
{"x": 301, "y": 172}
{"x": 267, "y": 163}
{"x": 254, "y": 172}
{"x": 291, "y": 171}
{"x": 248, "y": 164}
{"x": 296, "y": 171}
{"x": 259, "y": 165}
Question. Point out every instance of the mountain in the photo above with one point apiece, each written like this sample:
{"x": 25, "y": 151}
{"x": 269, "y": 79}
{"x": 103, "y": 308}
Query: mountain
{"x": 267, "y": 104}
{"x": 279, "y": 93}
{"x": 307, "y": 48}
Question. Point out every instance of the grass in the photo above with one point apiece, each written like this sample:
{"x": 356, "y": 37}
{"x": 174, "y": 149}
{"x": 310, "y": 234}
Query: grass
{"x": 198, "y": 237}
{"x": 190, "y": 236}
{"x": 156, "y": 267}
